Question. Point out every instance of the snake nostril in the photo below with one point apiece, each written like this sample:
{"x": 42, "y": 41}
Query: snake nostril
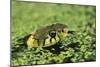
{"x": 62, "y": 30}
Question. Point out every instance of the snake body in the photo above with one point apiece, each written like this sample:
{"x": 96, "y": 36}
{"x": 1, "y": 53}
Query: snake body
{"x": 47, "y": 36}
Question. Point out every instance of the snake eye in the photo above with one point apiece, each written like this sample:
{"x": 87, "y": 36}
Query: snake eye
{"x": 52, "y": 34}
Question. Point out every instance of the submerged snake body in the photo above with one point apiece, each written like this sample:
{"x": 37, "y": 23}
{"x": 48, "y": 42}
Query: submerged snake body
{"x": 47, "y": 36}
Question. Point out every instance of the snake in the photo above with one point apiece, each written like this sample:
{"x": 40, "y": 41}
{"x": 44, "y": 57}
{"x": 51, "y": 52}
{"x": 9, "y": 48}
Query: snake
{"x": 47, "y": 36}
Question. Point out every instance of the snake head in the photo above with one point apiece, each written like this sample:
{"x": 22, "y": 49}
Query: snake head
{"x": 48, "y": 35}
